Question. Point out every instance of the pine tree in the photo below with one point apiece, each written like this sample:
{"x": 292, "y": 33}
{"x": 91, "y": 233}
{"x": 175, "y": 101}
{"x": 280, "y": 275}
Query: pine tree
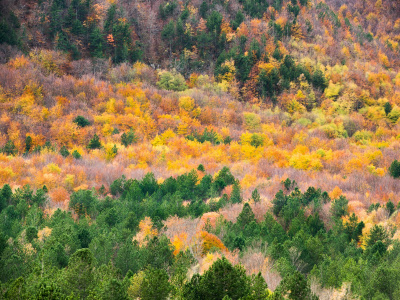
{"x": 255, "y": 196}
{"x": 235, "y": 196}
{"x": 168, "y": 34}
{"x": 64, "y": 151}
{"x": 394, "y": 169}
{"x": 246, "y": 216}
{"x": 28, "y": 143}
{"x": 9, "y": 148}
{"x": 94, "y": 142}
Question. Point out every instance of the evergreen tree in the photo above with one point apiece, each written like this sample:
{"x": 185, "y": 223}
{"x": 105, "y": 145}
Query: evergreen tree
{"x": 255, "y": 196}
{"x": 155, "y": 285}
{"x": 236, "y": 196}
{"x": 394, "y": 169}
{"x": 28, "y": 143}
{"x": 245, "y": 217}
{"x": 94, "y": 142}
{"x": 168, "y": 34}
{"x": 388, "y": 107}
{"x": 64, "y": 151}
{"x": 128, "y": 138}
{"x": 9, "y": 148}
{"x": 81, "y": 121}
{"x": 76, "y": 154}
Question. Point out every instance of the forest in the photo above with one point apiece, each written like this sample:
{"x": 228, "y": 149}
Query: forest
{"x": 199, "y": 149}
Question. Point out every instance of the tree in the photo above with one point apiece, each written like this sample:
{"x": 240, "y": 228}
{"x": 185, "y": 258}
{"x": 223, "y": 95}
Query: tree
{"x": 9, "y": 148}
{"x": 79, "y": 276}
{"x": 390, "y": 207}
{"x": 81, "y": 121}
{"x": 255, "y": 196}
{"x": 394, "y": 169}
{"x": 82, "y": 202}
{"x": 171, "y": 81}
{"x": 378, "y": 233}
{"x": 245, "y": 217}
{"x": 64, "y": 151}
{"x": 76, "y": 154}
{"x": 28, "y": 143}
{"x": 128, "y": 138}
{"x": 318, "y": 80}
{"x": 295, "y": 286}
{"x": 259, "y": 288}
{"x": 96, "y": 43}
{"x": 221, "y": 280}
{"x": 339, "y": 207}
{"x": 94, "y": 142}
{"x": 236, "y": 196}
{"x": 155, "y": 285}
{"x": 168, "y": 34}
{"x": 388, "y": 107}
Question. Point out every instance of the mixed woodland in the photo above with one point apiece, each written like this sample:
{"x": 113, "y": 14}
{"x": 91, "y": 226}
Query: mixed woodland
{"x": 199, "y": 149}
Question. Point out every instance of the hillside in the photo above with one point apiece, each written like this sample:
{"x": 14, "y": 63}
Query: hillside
{"x": 151, "y": 142}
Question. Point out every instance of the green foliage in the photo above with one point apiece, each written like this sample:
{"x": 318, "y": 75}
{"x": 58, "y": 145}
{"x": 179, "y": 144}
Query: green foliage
{"x": 394, "y": 169}
{"x": 79, "y": 276}
{"x": 82, "y": 202}
{"x": 64, "y": 151}
{"x": 28, "y": 143}
{"x": 255, "y": 196}
{"x": 128, "y": 138}
{"x": 340, "y": 207}
{"x": 388, "y": 107}
{"x": 31, "y": 233}
{"x": 236, "y": 196}
{"x": 210, "y": 286}
{"x": 245, "y": 217}
{"x": 171, "y": 81}
{"x": 206, "y": 136}
{"x": 390, "y": 207}
{"x": 394, "y": 114}
{"x": 81, "y": 121}
{"x": 76, "y": 154}
{"x": 9, "y": 148}
{"x": 94, "y": 143}
{"x": 155, "y": 285}
{"x": 295, "y": 286}
{"x": 318, "y": 80}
